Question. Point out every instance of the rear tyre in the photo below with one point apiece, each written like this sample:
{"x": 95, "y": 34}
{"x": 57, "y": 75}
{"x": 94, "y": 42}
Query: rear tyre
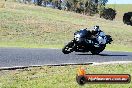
{"x": 97, "y": 50}
{"x": 67, "y": 48}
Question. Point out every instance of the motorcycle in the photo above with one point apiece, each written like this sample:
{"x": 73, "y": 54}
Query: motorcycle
{"x": 84, "y": 42}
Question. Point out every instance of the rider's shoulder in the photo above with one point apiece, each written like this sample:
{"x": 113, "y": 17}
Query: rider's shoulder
{"x": 102, "y": 33}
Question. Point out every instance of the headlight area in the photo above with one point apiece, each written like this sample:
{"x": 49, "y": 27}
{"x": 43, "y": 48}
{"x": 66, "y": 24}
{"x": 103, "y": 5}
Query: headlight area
{"x": 77, "y": 37}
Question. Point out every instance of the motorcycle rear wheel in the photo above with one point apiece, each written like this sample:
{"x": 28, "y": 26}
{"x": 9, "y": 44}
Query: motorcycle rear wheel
{"x": 96, "y": 51}
{"x": 66, "y": 48}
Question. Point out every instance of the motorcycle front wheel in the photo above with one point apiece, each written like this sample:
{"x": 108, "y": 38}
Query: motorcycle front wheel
{"x": 67, "y": 48}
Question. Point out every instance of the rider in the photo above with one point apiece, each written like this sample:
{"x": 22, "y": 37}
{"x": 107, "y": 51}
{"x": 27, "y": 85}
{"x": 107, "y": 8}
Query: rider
{"x": 99, "y": 35}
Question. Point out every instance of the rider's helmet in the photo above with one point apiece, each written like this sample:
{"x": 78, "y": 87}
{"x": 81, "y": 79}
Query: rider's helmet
{"x": 95, "y": 30}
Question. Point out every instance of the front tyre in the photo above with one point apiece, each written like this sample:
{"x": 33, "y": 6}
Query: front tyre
{"x": 67, "y": 48}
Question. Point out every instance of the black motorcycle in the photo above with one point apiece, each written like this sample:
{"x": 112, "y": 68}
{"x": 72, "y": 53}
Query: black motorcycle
{"x": 85, "y": 42}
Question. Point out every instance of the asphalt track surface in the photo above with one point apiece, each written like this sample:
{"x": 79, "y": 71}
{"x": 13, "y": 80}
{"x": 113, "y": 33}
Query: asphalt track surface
{"x": 10, "y": 57}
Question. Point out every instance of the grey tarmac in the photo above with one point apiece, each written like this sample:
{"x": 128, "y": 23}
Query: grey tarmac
{"x": 11, "y": 57}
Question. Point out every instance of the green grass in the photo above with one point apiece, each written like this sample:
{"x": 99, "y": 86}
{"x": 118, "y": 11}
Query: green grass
{"x": 59, "y": 76}
{"x": 31, "y": 26}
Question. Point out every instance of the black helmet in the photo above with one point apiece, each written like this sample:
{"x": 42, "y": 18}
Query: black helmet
{"x": 95, "y": 30}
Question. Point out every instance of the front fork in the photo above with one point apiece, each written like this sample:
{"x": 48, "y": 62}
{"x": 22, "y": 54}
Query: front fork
{"x": 74, "y": 46}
